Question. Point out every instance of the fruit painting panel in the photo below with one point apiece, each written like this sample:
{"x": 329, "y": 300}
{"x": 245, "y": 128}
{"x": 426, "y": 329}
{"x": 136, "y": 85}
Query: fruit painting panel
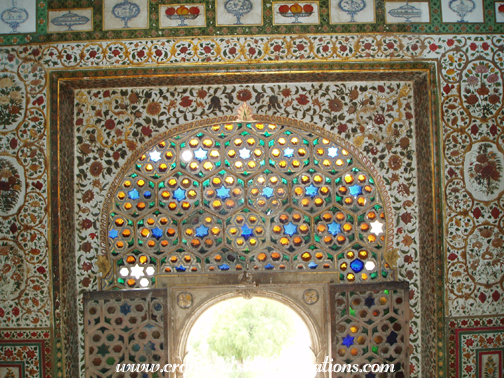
{"x": 125, "y": 14}
{"x": 290, "y": 12}
{"x": 457, "y": 11}
{"x": 352, "y": 11}
{"x": 499, "y": 13}
{"x": 181, "y": 16}
{"x": 239, "y": 12}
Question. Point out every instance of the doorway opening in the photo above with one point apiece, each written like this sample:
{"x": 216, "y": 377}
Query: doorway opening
{"x": 249, "y": 338}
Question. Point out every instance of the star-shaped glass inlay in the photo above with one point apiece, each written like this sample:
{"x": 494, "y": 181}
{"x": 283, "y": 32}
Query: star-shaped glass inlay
{"x": 332, "y": 152}
{"x": 369, "y": 302}
{"x": 200, "y": 154}
{"x": 137, "y": 271}
{"x": 312, "y": 265}
{"x": 392, "y": 338}
{"x": 113, "y": 234}
{"x": 267, "y": 192}
{"x": 376, "y": 228}
{"x": 179, "y": 194}
{"x": 334, "y": 228}
{"x": 311, "y": 190}
{"x": 155, "y": 156}
{"x": 133, "y": 194}
{"x": 290, "y": 229}
{"x": 246, "y": 232}
{"x": 201, "y": 231}
{"x": 103, "y": 350}
{"x": 125, "y": 308}
{"x": 348, "y": 341}
{"x": 223, "y": 193}
{"x": 355, "y": 190}
{"x": 157, "y": 233}
{"x": 288, "y": 152}
{"x": 244, "y": 153}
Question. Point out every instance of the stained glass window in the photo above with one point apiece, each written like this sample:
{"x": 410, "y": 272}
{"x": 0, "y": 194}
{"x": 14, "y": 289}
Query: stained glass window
{"x": 245, "y": 196}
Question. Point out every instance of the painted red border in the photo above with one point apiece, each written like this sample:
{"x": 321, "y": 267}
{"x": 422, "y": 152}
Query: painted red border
{"x": 457, "y": 346}
{"x": 45, "y": 352}
{"x": 480, "y": 365}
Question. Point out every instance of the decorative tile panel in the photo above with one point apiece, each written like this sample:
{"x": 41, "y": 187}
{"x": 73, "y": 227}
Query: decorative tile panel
{"x": 462, "y": 11}
{"x": 290, "y": 12}
{"x": 125, "y": 14}
{"x": 407, "y": 12}
{"x": 68, "y": 20}
{"x": 177, "y": 15}
{"x": 238, "y": 12}
{"x": 18, "y": 16}
{"x": 352, "y": 11}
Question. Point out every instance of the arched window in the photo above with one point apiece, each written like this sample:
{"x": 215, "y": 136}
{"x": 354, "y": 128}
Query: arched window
{"x": 215, "y": 210}
{"x": 245, "y": 196}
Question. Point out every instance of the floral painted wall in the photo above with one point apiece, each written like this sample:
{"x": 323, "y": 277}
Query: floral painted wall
{"x": 466, "y": 85}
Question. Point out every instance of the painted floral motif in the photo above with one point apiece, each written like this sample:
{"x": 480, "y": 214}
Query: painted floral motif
{"x": 485, "y": 255}
{"x": 485, "y": 170}
{"x": 12, "y": 271}
{"x": 11, "y": 102}
{"x": 482, "y": 89}
{"x": 490, "y": 369}
{"x": 11, "y": 185}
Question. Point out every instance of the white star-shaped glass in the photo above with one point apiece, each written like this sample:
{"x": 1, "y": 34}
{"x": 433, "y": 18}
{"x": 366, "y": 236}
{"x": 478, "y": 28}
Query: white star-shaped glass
{"x": 376, "y": 228}
{"x": 244, "y": 153}
{"x": 288, "y": 152}
{"x": 155, "y": 156}
{"x": 137, "y": 271}
{"x": 200, "y": 154}
{"x": 332, "y": 152}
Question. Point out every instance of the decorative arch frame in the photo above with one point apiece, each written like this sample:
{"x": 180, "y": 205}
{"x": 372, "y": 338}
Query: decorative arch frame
{"x": 62, "y": 83}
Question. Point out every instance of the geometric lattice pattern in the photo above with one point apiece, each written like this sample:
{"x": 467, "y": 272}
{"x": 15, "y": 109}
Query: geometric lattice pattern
{"x": 124, "y": 328}
{"x": 370, "y": 326}
{"x": 245, "y": 196}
